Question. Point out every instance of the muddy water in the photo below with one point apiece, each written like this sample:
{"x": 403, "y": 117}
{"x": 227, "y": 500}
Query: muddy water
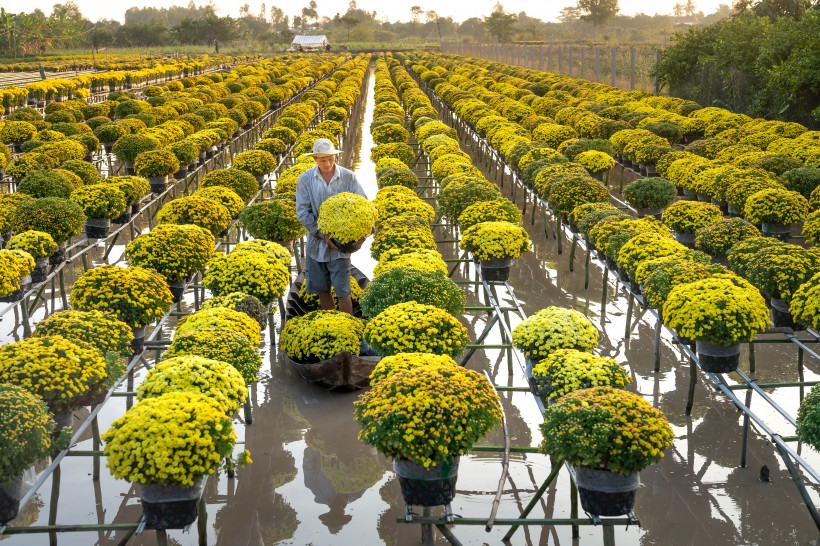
{"x": 313, "y": 482}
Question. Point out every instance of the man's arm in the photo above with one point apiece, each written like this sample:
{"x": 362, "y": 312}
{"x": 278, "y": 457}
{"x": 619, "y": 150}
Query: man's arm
{"x": 304, "y": 209}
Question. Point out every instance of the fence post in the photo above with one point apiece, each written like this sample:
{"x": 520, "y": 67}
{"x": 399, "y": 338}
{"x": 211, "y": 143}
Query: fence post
{"x": 632, "y": 68}
{"x": 657, "y": 79}
{"x": 583, "y": 59}
{"x": 597, "y": 64}
{"x": 559, "y": 59}
{"x": 614, "y": 66}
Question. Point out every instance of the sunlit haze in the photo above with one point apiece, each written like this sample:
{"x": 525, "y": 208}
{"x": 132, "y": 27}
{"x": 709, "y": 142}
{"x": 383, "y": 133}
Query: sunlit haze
{"x": 459, "y": 10}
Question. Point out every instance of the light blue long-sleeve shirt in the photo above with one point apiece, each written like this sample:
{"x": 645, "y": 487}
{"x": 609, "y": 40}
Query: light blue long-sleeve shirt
{"x": 311, "y": 192}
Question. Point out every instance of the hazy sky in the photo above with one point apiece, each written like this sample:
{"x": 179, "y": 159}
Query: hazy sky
{"x": 394, "y": 11}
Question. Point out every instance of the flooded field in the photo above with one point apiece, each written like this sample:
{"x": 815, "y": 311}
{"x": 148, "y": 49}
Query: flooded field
{"x": 313, "y": 482}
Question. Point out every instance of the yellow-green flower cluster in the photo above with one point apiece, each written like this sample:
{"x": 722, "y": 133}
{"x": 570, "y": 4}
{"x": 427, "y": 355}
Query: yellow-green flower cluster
{"x": 414, "y": 327}
{"x": 270, "y": 248}
{"x": 427, "y": 414}
{"x": 743, "y": 253}
{"x": 605, "y": 428}
{"x": 175, "y": 250}
{"x": 498, "y": 210}
{"x": 808, "y": 419}
{"x": 402, "y": 284}
{"x": 239, "y": 301}
{"x": 719, "y": 237}
{"x": 779, "y": 270}
{"x": 57, "y": 370}
{"x": 221, "y": 318}
{"x": 776, "y": 206}
{"x": 60, "y": 218}
{"x": 25, "y": 431}
{"x": 595, "y": 161}
{"x": 96, "y": 328}
{"x": 554, "y": 328}
{"x": 610, "y": 235}
{"x": 37, "y": 243}
{"x": 312, "y": 300}
{"x": 156, "y": 163}
{"x": 402, "y": 232}
{"x": 421, "y": 259}
{"x": 568, "y": 192}
{"x": 274, "y": 220}
{"x": 14, "y": 265}
{"x": 647, "y": 246}
{"x": 169, "y": 440}
{"x": 690, "y": 216}
{"x": 320, "y": 335}
{"x": 745, "y": 184}
{"x": 464, "y": 191}
{"x": 201, "y": 212}
{"x": 567, "y": 370}
{"x": 286, "y": 182}
{"x": 255, "y": 162}
{"x": 223, "y": 345}
{"x": 135, "y": 295}
{"x": 488, "y": 240}
{"x": 250, "y": 272}
{"x": 722, "y": 309}
{"x": 218, "y": 380}
{"x": 663, "y": 274}
{"x": 401, "y": 203}
{"x": 393, "y": 364}
{"x": 225, "y": 197}
{"x": 347, "y": 217}
{"x": 805, "y": 303}
{"x": 243, "y": 183}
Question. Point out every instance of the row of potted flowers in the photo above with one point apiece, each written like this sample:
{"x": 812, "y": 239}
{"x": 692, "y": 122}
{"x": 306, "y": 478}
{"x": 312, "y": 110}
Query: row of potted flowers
{"x": 739, "y": 150}
{"x": 707, "y": 297}
{"x": 82, "y": 85}
{"x": 139, "y": 294}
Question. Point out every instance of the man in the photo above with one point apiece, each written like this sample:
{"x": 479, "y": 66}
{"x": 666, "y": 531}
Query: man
{"x": 325, "y": 265}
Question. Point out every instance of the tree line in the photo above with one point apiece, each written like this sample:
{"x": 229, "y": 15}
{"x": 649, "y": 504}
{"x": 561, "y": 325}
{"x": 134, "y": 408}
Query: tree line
{"x": 764, "y": 61}
{"x": 589, "y": 20}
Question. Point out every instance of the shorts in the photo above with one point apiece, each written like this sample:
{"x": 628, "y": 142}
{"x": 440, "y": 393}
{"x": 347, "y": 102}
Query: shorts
{"x": 320, "y": 275}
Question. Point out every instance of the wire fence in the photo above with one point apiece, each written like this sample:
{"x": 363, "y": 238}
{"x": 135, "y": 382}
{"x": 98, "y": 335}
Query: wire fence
{"x": 625, "y": 67}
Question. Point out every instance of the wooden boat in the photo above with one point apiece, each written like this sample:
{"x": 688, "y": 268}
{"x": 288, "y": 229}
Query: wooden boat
{"x": 344, "y": 372}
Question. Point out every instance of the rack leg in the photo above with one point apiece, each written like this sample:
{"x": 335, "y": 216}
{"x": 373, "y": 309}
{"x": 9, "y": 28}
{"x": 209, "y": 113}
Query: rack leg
{"x": 609, "y": 535}
{"x": 752, "y": 365}
{"x": 573, "y": 507}
{"x": 95, "y": 433}
{"x": 556, "y": 467}
{"x": 800, "y": 371}
{"x": 801, "y": 487}
{"x": 629, "y": 306}
{"x": 693, "y": 379}
{"x": 658, "y": 327}
{"x": 745, "y": 436}
{"x": 428, "y": 537}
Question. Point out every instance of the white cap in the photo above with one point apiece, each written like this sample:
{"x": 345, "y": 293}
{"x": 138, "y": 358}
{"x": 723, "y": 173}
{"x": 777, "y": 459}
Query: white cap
{"x": 324, "y": 146}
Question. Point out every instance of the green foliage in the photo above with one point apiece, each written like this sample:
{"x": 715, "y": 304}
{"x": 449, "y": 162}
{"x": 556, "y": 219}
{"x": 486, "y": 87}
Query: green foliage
{"x": 404, "y": 284}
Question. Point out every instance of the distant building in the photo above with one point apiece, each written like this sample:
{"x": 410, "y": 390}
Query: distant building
{"x": 309, "y": 43}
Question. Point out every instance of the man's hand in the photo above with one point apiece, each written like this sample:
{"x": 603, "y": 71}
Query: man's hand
{"x": 329, "y": 243}
{"x": 360, "y": 242}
